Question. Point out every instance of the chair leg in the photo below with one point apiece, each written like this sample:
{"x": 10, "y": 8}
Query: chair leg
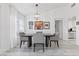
{"x": 20, "y": 44}
{"x": 50, "y": 43}
{"x": 24, "y": 42}
{"x": 57, "y": 44}
{"x": 43, "y": 47}
{"x": 34, "y": 47}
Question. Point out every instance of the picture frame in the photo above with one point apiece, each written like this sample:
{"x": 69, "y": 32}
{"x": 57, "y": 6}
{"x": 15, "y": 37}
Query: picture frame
{"x": 38, "y": 25}
{"x": 77, "y": 23}
{"x": 46, "y": 25}
{"x": 30, "y": 24}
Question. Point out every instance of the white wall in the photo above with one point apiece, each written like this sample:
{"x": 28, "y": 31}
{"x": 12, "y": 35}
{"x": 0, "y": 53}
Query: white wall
{"x": 4, "y": 28}
{"x": 21, "y": 23}
{"x": 13, "y": 27}
{"x": 16, "y": 26}
{"x": 66, "y": 13}
{"x": 8, "y": 27}
{"x": 77, "y": 31}
{"x": 71, "y": 22}
{"x": 77, "y": 26}
{"x": 0, "y": 28}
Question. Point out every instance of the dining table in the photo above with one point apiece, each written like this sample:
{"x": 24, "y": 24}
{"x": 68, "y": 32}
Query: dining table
{"x": 47, "y": 38}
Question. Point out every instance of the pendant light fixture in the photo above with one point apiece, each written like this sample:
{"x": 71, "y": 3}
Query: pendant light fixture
{"x": 37, "y": 15}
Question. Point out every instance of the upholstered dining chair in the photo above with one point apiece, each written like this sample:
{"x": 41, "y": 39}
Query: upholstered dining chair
{"x": 23, "y": 39}
{"x": 38, "y": 38}
{"x": 55, "y": 39}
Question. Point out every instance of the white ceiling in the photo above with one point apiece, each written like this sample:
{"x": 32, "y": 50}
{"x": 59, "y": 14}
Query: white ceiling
{"x": 29, "y": 8}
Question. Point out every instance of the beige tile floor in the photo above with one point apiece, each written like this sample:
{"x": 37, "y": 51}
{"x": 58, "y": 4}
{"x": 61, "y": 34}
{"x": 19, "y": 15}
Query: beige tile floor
{"x": 67, "y": 48}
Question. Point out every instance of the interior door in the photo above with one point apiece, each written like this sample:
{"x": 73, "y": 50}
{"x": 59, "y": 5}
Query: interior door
{"x": 59, "y": 27}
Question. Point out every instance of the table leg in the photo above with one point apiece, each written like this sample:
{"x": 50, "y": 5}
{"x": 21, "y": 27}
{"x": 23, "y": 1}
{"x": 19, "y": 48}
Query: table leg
{"x": 29, "y": 41}
{"x": 47, "y": 40}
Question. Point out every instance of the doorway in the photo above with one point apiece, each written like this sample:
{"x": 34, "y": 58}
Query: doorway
{"x": 72, "y": 28}
{"x": 59, "y": 27}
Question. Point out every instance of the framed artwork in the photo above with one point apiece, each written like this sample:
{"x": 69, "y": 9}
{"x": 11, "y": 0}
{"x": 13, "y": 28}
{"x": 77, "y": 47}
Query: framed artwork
{"x": 38, "y": 25}
{"x": 46, "y": 25}
{"x": 30, "y": 25}
{"x": 77, "y": 23}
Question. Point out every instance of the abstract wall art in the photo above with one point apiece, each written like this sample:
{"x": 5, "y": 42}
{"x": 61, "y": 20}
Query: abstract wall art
{"x": 38, "y": 25}
{"x": 46, "y": 25}
{"x": 30, "y": 25}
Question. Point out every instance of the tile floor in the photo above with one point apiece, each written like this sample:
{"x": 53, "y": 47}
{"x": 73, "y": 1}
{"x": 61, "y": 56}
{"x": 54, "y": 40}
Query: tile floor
{"x": 67, "y": 48}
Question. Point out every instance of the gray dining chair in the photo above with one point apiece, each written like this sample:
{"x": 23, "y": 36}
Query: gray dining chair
{"x": 23, "y": 39}
{"x": 38, "y": 38}
{"x": 55, "y": 39}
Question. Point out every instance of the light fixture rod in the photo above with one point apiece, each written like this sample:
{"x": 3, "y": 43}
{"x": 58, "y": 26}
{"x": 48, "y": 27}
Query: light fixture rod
{"x": 36, "y": 9}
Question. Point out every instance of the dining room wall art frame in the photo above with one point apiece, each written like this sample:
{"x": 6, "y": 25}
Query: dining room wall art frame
{"x": 30, "y": 24}
{"x": 38, "y": 25}
{"x": 46, "y": 25}
{"x": 77, "y": 23}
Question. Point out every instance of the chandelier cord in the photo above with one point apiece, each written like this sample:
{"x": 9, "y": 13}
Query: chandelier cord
{"x": 37, "y": 9}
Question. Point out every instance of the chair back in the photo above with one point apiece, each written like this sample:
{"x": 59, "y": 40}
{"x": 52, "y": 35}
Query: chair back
{"x": 38, "y": 38}
{"x": 22, "y": 34}
{"x": 57, "y": 35}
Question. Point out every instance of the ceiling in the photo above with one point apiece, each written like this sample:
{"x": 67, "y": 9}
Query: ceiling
{"x": 30, "y": 9}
